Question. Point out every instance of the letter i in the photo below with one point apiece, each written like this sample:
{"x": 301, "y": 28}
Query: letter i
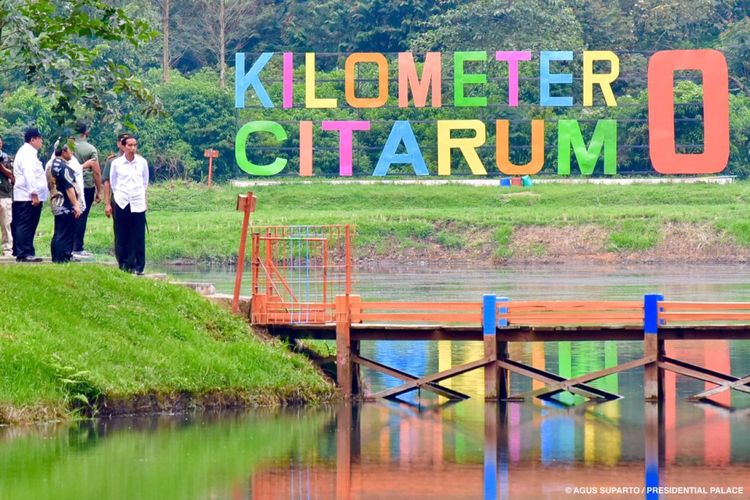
{"x": 288, "y": 80}
{"x": 305, "y": 148}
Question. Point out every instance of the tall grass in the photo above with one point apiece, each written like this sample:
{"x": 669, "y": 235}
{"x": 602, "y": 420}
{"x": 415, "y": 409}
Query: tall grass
{"x": 72, "y": 335}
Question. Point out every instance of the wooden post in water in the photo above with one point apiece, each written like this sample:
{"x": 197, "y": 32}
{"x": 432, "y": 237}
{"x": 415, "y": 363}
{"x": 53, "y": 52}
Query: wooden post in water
{"x": 343, "y": 345}
{"x": 653, "y": 376}
{"x": 344, "y": 451}
{"x": 654, "y": 448}
{"x": 503, "y": 374}
{"x": 496, "y": 455}
{"x": 355, "y": 309}
{"x": 489, "y": 332}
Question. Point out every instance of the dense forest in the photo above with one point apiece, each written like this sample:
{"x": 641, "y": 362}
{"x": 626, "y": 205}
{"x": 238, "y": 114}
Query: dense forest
{"x": 164, "y": 70}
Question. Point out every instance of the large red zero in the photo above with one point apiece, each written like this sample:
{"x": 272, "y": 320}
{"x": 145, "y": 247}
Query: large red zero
{"x": 661, "y": 69}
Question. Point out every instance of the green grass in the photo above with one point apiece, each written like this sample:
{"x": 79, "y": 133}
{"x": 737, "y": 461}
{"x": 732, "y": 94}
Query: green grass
{"x": 192, "y": 222}
{"x": 71, "y": 334}
{"x": 502, "y": 240}
{"x": 634, "y": 235}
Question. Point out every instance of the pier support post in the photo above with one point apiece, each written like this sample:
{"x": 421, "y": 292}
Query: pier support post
{"x": 355, "y": 309}
{"x": 503, "y": 374}
{"x": 653, "y": 382}
{"x": 496, "y": 378}
{"x": 343, "y": 345}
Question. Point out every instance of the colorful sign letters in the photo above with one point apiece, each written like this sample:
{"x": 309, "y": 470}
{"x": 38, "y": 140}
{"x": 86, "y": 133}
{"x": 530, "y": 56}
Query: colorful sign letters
{"x": 422, "y": 87}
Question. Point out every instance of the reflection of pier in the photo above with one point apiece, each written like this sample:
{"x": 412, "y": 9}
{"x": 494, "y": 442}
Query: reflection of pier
{"x": 536, "y": 455}
{"x": 302, "y": 288}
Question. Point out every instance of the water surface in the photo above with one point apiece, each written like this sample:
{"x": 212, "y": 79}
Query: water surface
{"x": 424, "y": 446}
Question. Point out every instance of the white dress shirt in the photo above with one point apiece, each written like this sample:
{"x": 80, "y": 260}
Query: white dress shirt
{"x": 129, "y": 180}
{"x": 30, "y": 175}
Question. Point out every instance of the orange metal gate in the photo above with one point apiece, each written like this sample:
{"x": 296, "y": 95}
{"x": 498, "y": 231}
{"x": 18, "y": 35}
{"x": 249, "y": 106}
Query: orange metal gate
{"x": 297, "y": 271}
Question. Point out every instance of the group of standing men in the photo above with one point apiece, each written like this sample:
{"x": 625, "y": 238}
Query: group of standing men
{"x": 73, "y": 181}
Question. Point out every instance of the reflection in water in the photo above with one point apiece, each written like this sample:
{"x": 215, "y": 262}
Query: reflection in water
{"x": 519, "y": 458}
{"x": 384, "y": 450}
{"x": 424, "y": 448}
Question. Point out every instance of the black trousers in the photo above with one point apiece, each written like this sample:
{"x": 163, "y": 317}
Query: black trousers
{"x": 88, "y": 195}
{"x": 130, "y": 239}
{"x": 23, "y": 227}
{"x": 62, "y": 241}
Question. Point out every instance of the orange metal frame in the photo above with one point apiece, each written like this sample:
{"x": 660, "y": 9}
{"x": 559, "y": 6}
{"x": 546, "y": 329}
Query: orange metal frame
{"x": 278, "y": 303}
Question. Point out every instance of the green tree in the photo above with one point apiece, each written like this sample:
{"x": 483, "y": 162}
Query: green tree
{"x": 517, "y": 25}
{"x": 52, "y": 46}
{"x": 198, "y": 115}
{"x": 735, "y": 42}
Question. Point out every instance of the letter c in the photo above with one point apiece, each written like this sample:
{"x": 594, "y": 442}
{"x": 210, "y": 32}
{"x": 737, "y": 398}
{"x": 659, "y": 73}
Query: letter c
{"x": 240, "y": 152}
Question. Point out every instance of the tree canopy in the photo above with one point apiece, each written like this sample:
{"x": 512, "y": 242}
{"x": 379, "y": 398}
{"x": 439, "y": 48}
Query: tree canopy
{"x": 117, "y": 62}
{"x": 58, "y": 47}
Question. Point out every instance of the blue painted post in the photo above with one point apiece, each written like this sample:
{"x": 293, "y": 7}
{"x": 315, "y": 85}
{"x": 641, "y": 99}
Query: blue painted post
{"x": 489, "y": 327}
{"x": 653, "y": 382}
{"x": 489, "y": 314}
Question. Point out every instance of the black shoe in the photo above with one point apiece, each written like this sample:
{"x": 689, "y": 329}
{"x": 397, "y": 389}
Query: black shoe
{"x": 28, "y": 259}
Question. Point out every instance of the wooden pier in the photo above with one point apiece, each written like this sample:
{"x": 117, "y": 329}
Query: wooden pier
{"x": 302, "y": 289}
{"x": 498, "y": 322}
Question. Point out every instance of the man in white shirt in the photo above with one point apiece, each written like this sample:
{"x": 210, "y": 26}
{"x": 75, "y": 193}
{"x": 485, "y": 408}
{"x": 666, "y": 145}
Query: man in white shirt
{"x": 128, "y": 180}
{"x": 29, "y": 194}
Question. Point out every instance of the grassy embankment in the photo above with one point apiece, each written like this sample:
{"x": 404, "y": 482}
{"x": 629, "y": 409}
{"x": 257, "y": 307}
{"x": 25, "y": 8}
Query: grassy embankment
{"x": 87, "y": 337}
{"x": 191, "y": 222}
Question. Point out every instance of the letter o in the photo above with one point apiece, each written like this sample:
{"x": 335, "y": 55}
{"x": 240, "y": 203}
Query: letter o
{"x": 662, "y": 146}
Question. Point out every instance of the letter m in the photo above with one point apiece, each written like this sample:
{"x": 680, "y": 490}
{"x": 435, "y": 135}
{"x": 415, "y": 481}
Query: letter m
{"x": 569, "y": 136}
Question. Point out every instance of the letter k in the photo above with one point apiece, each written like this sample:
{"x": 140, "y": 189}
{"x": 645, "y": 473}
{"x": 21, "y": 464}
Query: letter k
{"x": 243, "y": 80}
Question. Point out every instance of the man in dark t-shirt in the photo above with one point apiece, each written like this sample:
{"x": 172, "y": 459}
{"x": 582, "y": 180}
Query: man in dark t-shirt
{"x": 92, "y": 183}
{"x": 65, "y": 205}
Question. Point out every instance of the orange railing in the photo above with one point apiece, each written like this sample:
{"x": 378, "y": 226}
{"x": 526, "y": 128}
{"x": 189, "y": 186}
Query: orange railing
{"x": 552, "y": 313}
{"x": 268, "y": 310}
{"x": 271, "y": 308}
{"x": 515, "y": 313}
{"x": 671, "y": 312}
{"x": 415, "y": 312}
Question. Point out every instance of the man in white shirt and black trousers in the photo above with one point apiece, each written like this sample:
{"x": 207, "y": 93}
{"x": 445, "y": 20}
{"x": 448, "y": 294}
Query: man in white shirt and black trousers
{"x": 128, "y": 179}
{"x": 29, "y": 193}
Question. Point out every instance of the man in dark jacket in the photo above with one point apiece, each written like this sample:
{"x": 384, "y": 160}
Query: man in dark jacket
{"x": 64, "y": 203}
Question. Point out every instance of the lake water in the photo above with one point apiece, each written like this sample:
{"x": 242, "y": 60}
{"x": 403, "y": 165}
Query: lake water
{"x": 425, "y": 447}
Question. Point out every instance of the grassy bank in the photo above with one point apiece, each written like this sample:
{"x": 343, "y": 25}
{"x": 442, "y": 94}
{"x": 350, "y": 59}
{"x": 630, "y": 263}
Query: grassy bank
{"x": 189, "y": 221}
{"x": 84, "y": 336}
